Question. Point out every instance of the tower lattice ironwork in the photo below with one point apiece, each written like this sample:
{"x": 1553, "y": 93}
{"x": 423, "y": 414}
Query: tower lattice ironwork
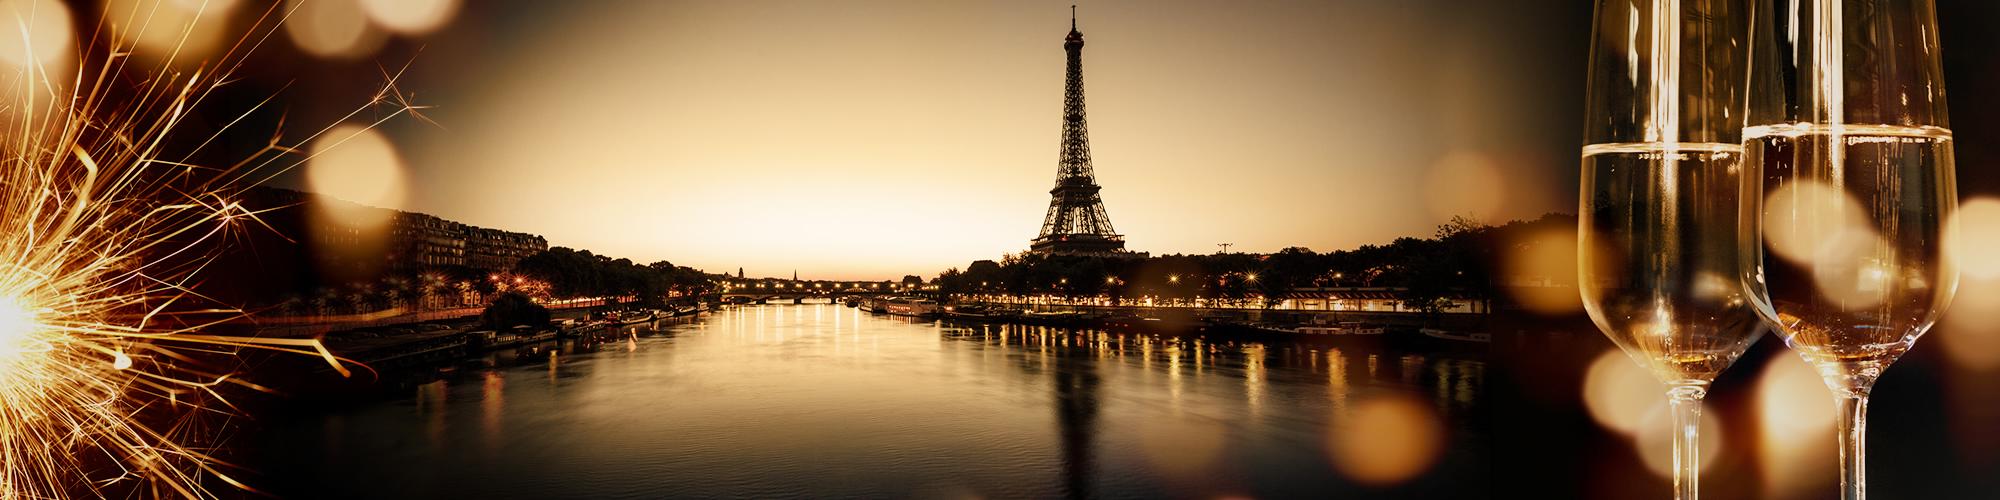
{"x": 1076, "y": 223}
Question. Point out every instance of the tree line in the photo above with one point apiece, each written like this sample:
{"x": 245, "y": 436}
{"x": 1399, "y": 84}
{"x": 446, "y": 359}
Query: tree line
{"x": 1461, "y": 260}
{"x": 571, "y": 273}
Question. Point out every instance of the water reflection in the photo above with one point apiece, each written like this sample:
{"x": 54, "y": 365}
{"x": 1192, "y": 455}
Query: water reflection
{"x": 821, "y": 400}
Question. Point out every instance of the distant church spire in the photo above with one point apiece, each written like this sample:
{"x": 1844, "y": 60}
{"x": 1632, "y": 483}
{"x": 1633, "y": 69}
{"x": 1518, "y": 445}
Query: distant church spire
{"x": 795, "y": 275}
{"x": 739, "y": 273}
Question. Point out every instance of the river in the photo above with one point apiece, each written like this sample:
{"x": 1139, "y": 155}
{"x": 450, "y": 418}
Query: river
{"x": 828, "y": 401}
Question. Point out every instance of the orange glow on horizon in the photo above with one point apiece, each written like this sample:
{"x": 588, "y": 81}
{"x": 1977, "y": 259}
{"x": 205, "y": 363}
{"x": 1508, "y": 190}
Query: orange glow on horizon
{"x": 909, "y": 139}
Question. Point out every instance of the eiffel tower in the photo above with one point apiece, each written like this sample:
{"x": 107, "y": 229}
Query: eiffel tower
{"x": 1076, "y": 224}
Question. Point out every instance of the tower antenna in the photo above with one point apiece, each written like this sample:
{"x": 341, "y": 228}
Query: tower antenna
{"x": 1072, "y": 17}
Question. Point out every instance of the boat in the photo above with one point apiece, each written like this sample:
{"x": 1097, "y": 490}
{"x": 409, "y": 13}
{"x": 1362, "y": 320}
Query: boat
{"x": 1344, "y": 328}
{"x": 970, "y": 312}
{"x": 621, "y": 319}
{"x": 1160, "y": 325}
{"x": 1055, "y": 318}
{"x": 1448, "y": 335}
{"x": 911, "y": 306}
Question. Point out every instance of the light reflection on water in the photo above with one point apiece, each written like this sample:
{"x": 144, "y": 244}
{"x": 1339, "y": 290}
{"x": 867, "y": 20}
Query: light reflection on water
{"x": 821, "y": 400}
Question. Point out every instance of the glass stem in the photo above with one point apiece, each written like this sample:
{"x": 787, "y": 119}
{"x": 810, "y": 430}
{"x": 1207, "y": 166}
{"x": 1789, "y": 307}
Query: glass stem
{"x": 1853, "y": 445}
{"x": 1685, "y": 401}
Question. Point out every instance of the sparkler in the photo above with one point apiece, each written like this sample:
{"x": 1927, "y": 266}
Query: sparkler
{"x": 105, "y": 355}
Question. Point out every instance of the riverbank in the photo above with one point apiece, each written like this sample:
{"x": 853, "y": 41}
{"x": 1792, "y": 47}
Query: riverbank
{"x": 1413, "y": 331}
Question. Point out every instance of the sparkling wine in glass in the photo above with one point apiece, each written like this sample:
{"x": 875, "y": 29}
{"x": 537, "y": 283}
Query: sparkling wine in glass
{"x": 1658, "y": 221}
{"x": 1849, "y": 160}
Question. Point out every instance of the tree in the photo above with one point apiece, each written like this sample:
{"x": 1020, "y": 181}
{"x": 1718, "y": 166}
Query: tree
{"x": 514, "y": 309}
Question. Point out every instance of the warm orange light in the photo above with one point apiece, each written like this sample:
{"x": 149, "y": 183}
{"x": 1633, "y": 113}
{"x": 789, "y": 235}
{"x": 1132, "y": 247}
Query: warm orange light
{"x": 1540, "y": 272}
{"x": 1970, "y": 337}
{"x": 1464, "y": 183}
{"x": 1385, "y": 440}
{"x": 1809, "y": 222}
{"x": 1977, "y": 234}
{"x": 357, "y": 164}
{"x": 1795, "y": 419}
{"x": 38, "y": 33}
{"x": 333, "y": 29}
{"x": 17, "y": 330}
{"x": 412, "y": 17}
{"x": 182, "y": 29}
{"x": 1655, "y": 446}
{"x": 1620, "y": 394}
{"x": 1182, "y": 447}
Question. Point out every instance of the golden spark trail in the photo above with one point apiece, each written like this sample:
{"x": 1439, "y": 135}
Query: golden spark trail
{"x": 105, "y": 359}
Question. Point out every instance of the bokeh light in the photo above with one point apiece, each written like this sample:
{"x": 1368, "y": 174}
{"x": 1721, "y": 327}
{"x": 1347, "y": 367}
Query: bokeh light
{"x": 1654, "y": 441}
{"x": 410, "y": 17}
{"x": 1386, "y": 439}
{"x": 1970, "y": 337}
{"x": 1465, "y": 183}
{"x": 182, "y": 29}
{"x": 1976, "y": 239}
{"x": 331, "y": 29}
{"x": 1543, "y": 266}
{"x": 358, "y": 164}
{"x": 1809, "y": 222}
{"x": 1620, "y": 394}
{"x": 1858, "y": 277}
{"x": 37, "y": 35}
{"x": 1182, "y": 446}
{"x": 1795, "y": 417}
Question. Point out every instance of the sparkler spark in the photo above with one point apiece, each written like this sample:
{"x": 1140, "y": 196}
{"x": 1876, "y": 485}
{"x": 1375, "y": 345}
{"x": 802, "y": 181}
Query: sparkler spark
{"x": 106, "y": 358}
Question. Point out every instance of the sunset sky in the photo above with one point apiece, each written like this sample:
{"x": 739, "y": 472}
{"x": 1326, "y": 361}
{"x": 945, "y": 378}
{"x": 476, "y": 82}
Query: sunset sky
{"x": 874, "y": 139}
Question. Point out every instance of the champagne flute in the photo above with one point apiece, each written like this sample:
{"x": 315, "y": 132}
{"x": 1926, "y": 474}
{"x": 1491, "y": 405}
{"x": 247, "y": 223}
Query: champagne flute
{"x": 1848, "y": 158}
{"x": 1657, "y": 231}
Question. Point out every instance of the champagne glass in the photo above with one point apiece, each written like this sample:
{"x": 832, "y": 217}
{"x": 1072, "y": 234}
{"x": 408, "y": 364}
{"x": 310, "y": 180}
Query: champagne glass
{"x": 1657, "y": 231}
{"x": 1849, "y": 161}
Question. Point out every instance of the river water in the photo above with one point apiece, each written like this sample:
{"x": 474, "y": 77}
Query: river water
{"x": 828, "y": 401}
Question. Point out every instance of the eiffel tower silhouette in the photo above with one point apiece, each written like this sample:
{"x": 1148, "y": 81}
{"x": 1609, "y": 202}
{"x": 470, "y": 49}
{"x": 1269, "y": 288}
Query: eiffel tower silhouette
{"x": 1076, "y": 223}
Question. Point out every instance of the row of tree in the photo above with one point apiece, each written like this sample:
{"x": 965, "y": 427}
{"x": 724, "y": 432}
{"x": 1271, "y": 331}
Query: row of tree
{"x": 1460, "y": 261}
{"x": 571, "y": 273}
